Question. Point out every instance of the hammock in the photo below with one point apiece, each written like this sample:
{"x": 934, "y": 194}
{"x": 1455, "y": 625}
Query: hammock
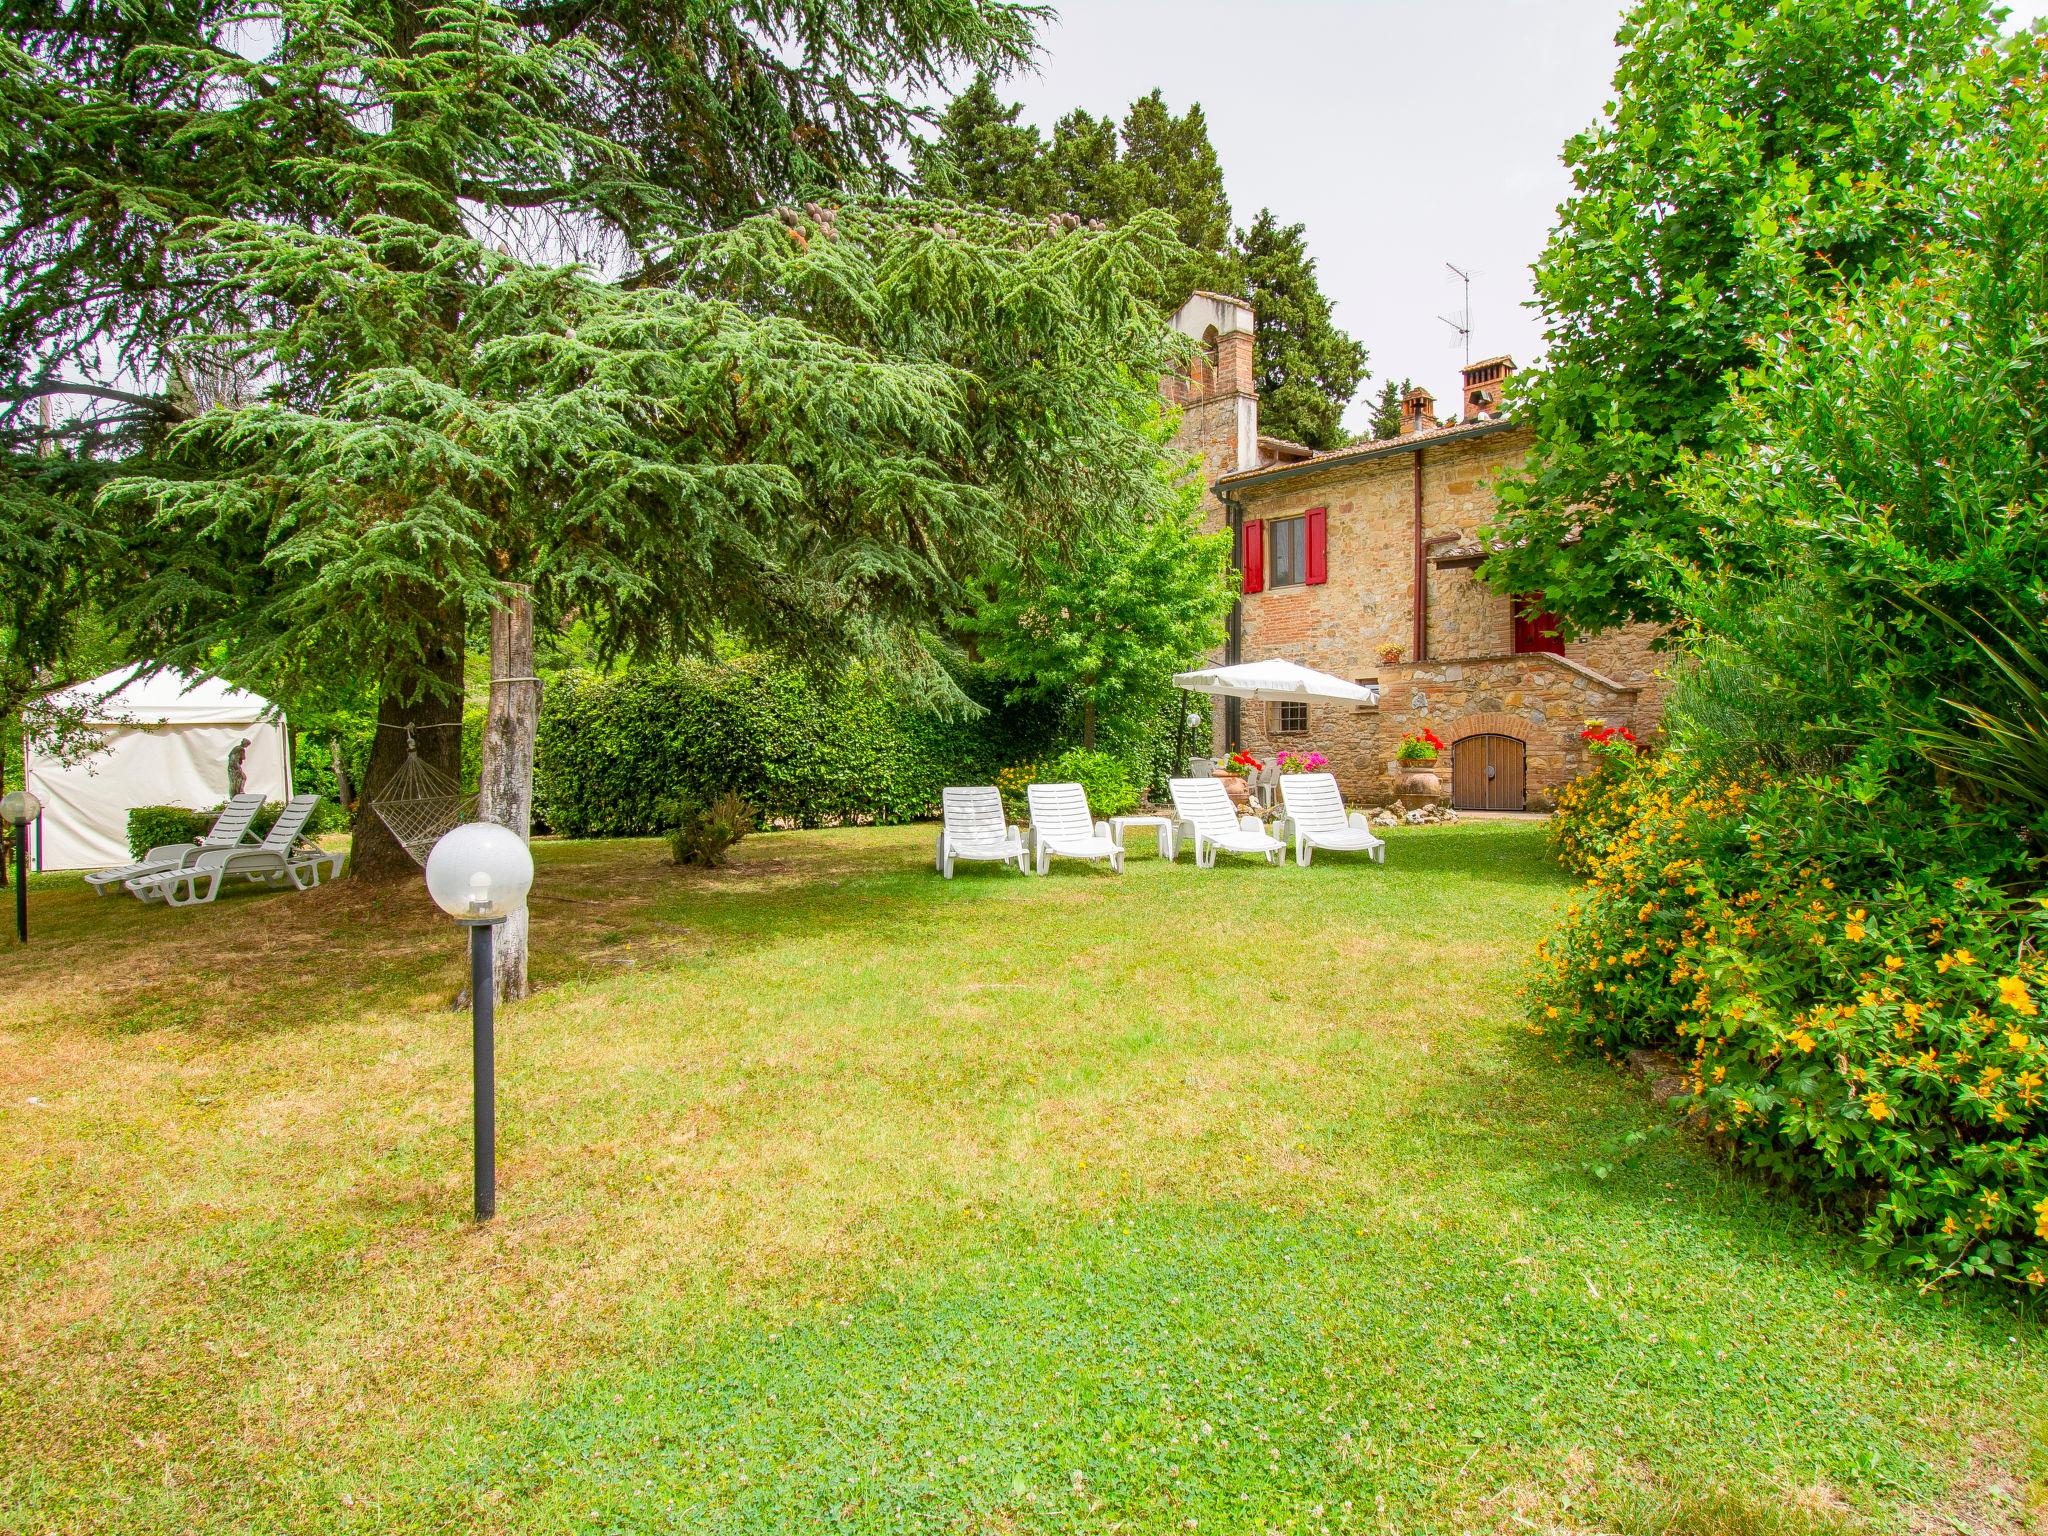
{"x": 420, "y": 804}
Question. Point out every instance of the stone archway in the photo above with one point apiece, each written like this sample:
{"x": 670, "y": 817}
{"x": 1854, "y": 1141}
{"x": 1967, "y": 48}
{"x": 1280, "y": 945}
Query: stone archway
{"x": 1489, "y": 754}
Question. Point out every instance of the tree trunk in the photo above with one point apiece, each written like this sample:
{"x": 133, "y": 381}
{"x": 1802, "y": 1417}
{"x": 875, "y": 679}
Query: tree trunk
{"x": 1088, "y": 725}
{"x": 436, "y": 718}
{"x": 507, "y": 798}
{"x": 344, "y": 792}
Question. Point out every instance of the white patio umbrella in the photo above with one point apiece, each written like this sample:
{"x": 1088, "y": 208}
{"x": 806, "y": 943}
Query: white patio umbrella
{"x": 1268, "y": 682}
{"x": 1275, "y": 682}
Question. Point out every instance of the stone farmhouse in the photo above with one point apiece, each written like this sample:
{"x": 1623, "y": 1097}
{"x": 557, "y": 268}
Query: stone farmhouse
{"x": 1362, "y": 562}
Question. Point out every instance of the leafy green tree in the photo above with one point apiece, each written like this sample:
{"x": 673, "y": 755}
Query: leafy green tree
{"x": 1168, "y": 163}
{"x": 1307, "y": 368}
{"x": 1087, "y": 170}
{"x": 1758, "y": 158}
{"x": 1096, "y": 171}
{"x": 1386, "y": 409}
{"x": 1107, "y": 619}
{"x": 983, "y": 154}
{"x": 1875, "y": 567}
{"x": 220, "y": 168}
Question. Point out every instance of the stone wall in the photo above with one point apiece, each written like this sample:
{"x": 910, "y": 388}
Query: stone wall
{"x": 1539, "y": 699}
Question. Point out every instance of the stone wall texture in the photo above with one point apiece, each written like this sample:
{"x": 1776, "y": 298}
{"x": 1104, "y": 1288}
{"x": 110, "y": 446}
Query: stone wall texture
{"x": 1469, "y": 682}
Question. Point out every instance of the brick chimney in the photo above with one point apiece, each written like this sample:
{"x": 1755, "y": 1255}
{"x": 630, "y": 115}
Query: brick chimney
{"x": 1418, "y": 411}
{"x": 1484, "y": 382}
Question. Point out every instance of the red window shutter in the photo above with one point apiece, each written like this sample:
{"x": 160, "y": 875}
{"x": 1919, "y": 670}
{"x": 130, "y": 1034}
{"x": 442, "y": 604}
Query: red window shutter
{"x": 1254, "y": 555}
{"x": 1318, "y": 560}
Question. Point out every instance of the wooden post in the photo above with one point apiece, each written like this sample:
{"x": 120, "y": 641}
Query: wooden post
{"x": 506, "y": 791}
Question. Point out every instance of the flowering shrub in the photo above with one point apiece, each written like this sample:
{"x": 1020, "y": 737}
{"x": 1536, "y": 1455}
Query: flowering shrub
{"x": 1240, "y": 763}
{"x": 1421, "y": 746}
{"x": 1859, "y": 1015}
{"x": 1302, "y": 762}
{"x": 1011, "y": 782}
{"x": 1594, "y": 808}
{"x": 1105, "y": 778}
{"x": 1606, "y": 741}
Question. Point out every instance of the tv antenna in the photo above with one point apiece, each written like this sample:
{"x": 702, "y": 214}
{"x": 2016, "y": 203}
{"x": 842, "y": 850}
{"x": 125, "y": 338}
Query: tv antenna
{"x": 1462, "y": 321}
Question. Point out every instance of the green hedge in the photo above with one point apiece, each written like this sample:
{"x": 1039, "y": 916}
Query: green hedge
{"x": 613, "y": 749}
{"x": 154, "y": 826}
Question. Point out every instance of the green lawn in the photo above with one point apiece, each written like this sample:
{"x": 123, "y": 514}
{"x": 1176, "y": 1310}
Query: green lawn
{"x": 839, "y": 1198}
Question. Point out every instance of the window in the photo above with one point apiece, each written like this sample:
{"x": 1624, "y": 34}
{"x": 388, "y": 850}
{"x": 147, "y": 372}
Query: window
{"x": 1290, "y": 719}
{"x": 1287, "y": 552}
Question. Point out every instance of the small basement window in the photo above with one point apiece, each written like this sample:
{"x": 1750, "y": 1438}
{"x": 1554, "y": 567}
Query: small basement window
{"x": 1287, "y": 552}
{"x": 1290, "y": 719}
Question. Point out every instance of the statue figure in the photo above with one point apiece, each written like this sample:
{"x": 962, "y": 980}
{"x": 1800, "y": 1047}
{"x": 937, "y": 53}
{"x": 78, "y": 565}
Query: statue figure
{"x": 237, "y": 778}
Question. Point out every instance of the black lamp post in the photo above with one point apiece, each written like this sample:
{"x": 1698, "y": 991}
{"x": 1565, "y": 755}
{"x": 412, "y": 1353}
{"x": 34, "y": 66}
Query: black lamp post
{"x": 479, "y": 875}
{"x": 17, "y": 809}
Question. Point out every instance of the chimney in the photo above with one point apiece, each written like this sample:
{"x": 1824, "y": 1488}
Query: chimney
{"x": 1484, "y": 382}
{"x": 1418, "y": 411}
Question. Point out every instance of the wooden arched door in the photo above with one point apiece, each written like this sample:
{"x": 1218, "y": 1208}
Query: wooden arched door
{"x": 1487, "y": 774}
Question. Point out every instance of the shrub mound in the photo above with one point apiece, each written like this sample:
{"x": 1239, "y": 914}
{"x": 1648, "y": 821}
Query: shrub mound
{"x": 1860, "y": 1012}
{"x": 614, "y": 752}
{"x": 1105, "y": 777}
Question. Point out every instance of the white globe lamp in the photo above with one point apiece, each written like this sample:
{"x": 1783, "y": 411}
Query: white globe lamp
{"x": 479, "y": 875}
{"x": 480, "y": 872}
{"x": 18, "y": 808}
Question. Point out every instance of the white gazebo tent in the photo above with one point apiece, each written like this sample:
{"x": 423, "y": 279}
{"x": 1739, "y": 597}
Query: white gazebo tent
{"x": 1271, "y": 682}
{"x": 164, "y": 739}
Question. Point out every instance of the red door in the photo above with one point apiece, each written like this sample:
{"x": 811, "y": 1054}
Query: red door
{"x": 1536, "y": 629}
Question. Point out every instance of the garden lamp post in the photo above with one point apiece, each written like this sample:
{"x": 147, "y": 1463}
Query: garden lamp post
{"x": 17, "y": 809}
{"x": 479, "y": 875}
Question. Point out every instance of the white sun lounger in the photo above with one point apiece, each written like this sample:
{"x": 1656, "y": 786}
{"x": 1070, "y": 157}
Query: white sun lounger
{"x": 1207, "y": 815}
{"x": 279, "y": 858}
{"x": 975, "y": 828}
{"x": 228, "y": 829}
{"x": 1061, "y": 827}
{"x": 1316, "y": 819}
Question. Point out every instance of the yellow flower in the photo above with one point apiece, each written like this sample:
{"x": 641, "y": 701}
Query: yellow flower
{"x": 2013, "y": 993}
{"x": 1852, "y": 931}
{"x": 1880, "y": 1108}
{"x": 1911, "y": 1011}
{"x": 1893, "y": 962}
{"x": 2016, "y": 1040}
{"x": 1802, "y": 1039}
{"x": 2041, "y": 1227}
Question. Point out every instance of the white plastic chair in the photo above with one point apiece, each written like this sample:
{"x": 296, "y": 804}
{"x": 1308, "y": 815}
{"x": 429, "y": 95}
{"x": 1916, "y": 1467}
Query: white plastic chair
{"x": 277, "y": 859}
{"x": 1264, "y": 786}
{"x": 1062, "y": 827}
{"x": 974, "y": 827}
{"x": 1316, "y": 819}
{"x": 228, "y": 829}
{"x": 1207, "y": 815}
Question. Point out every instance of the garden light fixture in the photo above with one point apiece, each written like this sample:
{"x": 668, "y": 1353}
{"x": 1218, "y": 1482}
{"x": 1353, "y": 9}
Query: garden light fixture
{"x": 479, "y": 875}
{"x": 17, "y": 809}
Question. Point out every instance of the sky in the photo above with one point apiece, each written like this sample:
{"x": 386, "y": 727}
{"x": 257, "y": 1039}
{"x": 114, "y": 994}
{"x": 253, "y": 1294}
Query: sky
{"x": 1404, "y": 135}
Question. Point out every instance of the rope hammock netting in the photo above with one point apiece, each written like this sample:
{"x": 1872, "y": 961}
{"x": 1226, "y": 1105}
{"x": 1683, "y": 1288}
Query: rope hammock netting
{"x": 420, "y": 804}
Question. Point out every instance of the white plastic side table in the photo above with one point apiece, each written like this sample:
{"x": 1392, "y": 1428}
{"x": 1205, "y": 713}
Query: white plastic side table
{"x": 1169, "y": 846}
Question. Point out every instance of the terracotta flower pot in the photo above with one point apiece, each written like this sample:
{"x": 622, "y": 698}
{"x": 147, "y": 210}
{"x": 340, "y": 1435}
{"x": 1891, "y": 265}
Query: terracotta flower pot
{"x": 1234, "y": 785}
{"x": 1417, "y": 780}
